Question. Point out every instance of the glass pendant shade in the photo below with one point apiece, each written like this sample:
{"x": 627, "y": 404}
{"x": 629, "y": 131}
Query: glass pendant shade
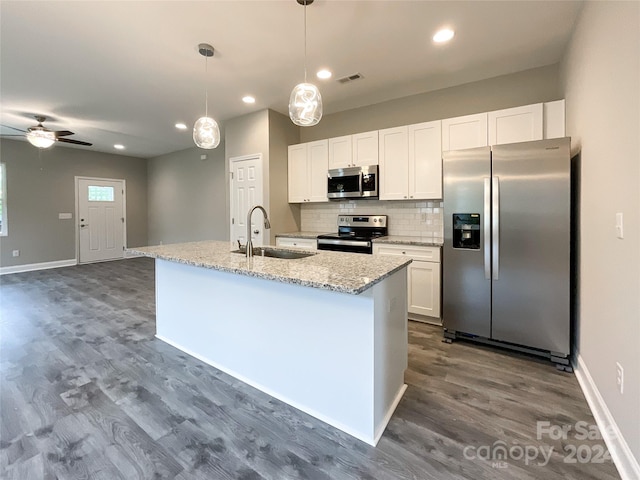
{"x": 41, "y": 138}
{"x": 305, "y": 105}
{"x": 206, "y": 133}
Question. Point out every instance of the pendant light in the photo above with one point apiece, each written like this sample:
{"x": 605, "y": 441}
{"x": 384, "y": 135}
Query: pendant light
{"x": 305, "y": 102}
{"x": 206, "y": 133}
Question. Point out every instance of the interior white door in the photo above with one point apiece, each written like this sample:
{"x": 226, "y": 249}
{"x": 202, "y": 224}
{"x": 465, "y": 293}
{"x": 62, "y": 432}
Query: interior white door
{"x": 246, "y": 191}
{"x": 101, "y": 219}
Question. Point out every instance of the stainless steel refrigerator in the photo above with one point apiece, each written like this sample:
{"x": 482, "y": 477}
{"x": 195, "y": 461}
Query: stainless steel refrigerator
{"x": 507, "y": 233}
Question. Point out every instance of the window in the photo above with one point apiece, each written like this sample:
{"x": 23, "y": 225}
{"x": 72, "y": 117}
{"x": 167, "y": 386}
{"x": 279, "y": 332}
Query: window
{"x": 3, "y": 200}
{"x": 100, "y": 194}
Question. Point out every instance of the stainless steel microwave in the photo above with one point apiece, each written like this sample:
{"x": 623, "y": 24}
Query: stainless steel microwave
{"x": 353, "y": 182}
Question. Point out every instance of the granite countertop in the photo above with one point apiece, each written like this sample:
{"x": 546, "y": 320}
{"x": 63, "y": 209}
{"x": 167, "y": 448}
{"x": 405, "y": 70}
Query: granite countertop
{"x": 407, "y": 240}
{"x": 310, "y": 235}
{"x": 336, "y": 271}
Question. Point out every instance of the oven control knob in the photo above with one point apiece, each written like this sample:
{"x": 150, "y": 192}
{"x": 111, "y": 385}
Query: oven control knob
{"x": 375, "y": 219}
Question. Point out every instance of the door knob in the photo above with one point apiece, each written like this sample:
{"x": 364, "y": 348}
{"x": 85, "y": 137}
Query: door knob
{"x": 256, "y": 231}
{"x": 84, "y": 224}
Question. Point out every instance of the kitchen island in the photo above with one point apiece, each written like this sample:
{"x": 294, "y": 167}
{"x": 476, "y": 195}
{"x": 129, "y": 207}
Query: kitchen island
{"x": 326, "y": 334}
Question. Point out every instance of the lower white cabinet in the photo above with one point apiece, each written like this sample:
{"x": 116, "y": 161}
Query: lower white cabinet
{"x": 423, "y": 279}
{"x": 296, "y": 242}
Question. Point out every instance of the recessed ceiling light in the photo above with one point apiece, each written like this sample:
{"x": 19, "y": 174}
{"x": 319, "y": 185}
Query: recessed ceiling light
{"x": 248, "y": 99}
{"x": 324, "y": 74}
{"x": 443, "y": 35}
{"x": 117, "y": 146}
{"x": 181, "y": 126}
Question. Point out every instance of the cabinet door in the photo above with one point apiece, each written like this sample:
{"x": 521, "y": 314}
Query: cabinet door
{"x": 425, "y": 160}
{"x": 513, "y": 125}
{"x": 340, "y": 152}
{"x": 394, "y": 163}
{"x": 298, "y": 175}
{"x": 317, "y": 166}
{"x": 365, "y": 148}
{"x": 469, "y": 131}
{"x": 423, "y": 284}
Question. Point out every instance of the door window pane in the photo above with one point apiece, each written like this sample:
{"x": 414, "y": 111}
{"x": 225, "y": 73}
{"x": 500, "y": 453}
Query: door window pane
{"x": 100, "y": 194}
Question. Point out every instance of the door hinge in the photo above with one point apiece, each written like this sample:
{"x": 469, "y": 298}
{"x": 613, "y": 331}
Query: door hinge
{"x": 231, "y": 175}
{"x": 122, "y": 218}
{"x": 233, "y": 221}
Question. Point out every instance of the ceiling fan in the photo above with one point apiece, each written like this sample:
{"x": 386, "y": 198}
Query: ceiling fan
{"x": 42, "y": 137}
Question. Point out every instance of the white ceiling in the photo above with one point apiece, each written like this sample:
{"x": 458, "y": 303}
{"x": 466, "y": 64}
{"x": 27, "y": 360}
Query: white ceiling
{"x": 127, "y": 71}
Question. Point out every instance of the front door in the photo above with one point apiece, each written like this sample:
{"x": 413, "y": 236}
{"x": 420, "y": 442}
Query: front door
{"x": 100, "y": 219}
{"x": 246, "y": 191}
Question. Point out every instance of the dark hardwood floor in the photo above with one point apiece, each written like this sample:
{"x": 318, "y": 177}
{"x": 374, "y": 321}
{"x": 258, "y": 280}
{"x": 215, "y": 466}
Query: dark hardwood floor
{"x": 87, "y": 392}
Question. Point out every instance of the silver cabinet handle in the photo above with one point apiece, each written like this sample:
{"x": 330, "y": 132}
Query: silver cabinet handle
{"x": 487, "y": 228}
{"x": 496, "y": 228}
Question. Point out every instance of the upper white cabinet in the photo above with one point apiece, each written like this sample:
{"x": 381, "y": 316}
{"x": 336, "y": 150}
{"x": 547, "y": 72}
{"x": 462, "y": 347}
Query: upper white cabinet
{"x": 308, "y": 165}
{"x": 340, "y": 152}
{"x": 410, "y": 162}
{"x": 425, "y": 160}
{"x": 513, "y": 125}
{"x": 394, "y": 163}
{"x": 464, "y": 132}
{"x": 354, "y": 150}
{"x": 554, "y": 119}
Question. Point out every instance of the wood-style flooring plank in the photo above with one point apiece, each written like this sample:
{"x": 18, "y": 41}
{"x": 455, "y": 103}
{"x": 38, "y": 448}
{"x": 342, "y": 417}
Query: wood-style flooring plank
{"x": 88, "y": 392}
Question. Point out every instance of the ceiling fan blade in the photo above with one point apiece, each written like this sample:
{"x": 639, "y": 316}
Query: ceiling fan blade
{"x": 13, "y": 128}
{"x": 63, "y": 133}
{"x": 75, "y": 142}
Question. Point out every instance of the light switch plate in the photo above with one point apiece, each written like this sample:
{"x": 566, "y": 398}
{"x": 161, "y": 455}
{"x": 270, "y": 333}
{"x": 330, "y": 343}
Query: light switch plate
{"x": 619, "y": 226}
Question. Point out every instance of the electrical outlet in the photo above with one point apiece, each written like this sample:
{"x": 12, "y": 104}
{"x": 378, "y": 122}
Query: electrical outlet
{"x": 16, "y": 253}
{"x": 620, "y": 377}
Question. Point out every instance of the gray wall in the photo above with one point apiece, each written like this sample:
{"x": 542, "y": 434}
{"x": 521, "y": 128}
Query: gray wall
{"x": 40, "y": 184}
{"x": 601, "y": 78}
{"x": 522, "y": 88}
{"x": 187, "y": 196}
{"x": 282, "y": 133}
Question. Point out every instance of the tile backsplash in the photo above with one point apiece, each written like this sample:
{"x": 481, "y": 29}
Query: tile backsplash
{"x": 411, "y": 218}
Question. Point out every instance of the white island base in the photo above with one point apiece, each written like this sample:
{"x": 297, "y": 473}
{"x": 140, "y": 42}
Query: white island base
{"x": 336, "y": 356}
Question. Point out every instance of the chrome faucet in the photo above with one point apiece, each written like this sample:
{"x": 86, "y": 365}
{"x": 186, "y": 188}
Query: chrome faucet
{"x": 267, "y": 224}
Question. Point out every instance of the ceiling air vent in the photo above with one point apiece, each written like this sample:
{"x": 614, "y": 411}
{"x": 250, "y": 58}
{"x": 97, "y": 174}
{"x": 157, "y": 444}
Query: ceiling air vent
{"x": 350, "y": 78}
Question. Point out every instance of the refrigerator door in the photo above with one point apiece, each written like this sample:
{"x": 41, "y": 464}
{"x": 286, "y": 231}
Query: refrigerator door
{"x": 466, "y": 253}
{"x": 531, "y": 235}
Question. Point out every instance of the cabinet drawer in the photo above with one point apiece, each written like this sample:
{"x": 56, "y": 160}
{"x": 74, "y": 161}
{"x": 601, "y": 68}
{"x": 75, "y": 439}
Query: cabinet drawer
{"x": 294, "y": 242}
{"x": 425, "y": 254}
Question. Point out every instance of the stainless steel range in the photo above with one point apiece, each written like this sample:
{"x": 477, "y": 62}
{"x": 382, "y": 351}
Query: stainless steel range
{"x": 355, "y": 233}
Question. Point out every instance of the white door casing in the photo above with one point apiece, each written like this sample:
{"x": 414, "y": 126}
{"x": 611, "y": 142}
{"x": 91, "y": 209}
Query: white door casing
{"x": 246, "y": 191}
{"x": 101, "y": 221}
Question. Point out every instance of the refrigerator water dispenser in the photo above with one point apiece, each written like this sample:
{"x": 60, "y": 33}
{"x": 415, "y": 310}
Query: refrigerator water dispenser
{"x": 466, "y": 231}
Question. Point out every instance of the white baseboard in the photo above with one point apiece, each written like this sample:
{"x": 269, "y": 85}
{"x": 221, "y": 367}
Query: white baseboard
{"x": 621, "y": 454}
{"x": 30, "y": 267}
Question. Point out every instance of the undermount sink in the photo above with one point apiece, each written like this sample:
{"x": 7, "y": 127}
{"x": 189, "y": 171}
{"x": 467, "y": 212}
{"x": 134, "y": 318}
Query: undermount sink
{"x": 275, "y": 253}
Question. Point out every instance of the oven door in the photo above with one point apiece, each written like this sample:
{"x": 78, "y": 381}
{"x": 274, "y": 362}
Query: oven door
{"x": 339, "y": 245}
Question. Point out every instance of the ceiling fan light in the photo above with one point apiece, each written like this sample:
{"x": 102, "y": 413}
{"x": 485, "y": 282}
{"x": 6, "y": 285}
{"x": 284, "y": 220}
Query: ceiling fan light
{"x": 305, "y": 105}
{"x": 41, "y": 138}
{"x": 206, "y": 133}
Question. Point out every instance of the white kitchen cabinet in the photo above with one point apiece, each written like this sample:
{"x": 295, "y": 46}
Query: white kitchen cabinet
{"x": 425, "y": 160}
{"x": 394, "y": 163}
{"x": 464, "y": 132}
{"x": 297, "y": 242}
{"x": 513, "y": 125}
{"x": 554, "y": 122}
{"x": 365, "y": 149}
{"x": 340, "y": 152}
{"x": 410, "y": 162}
{"x": 360, "y": 149}
{"x": 308, "y": 165}
{"x": 423, "y": 279}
